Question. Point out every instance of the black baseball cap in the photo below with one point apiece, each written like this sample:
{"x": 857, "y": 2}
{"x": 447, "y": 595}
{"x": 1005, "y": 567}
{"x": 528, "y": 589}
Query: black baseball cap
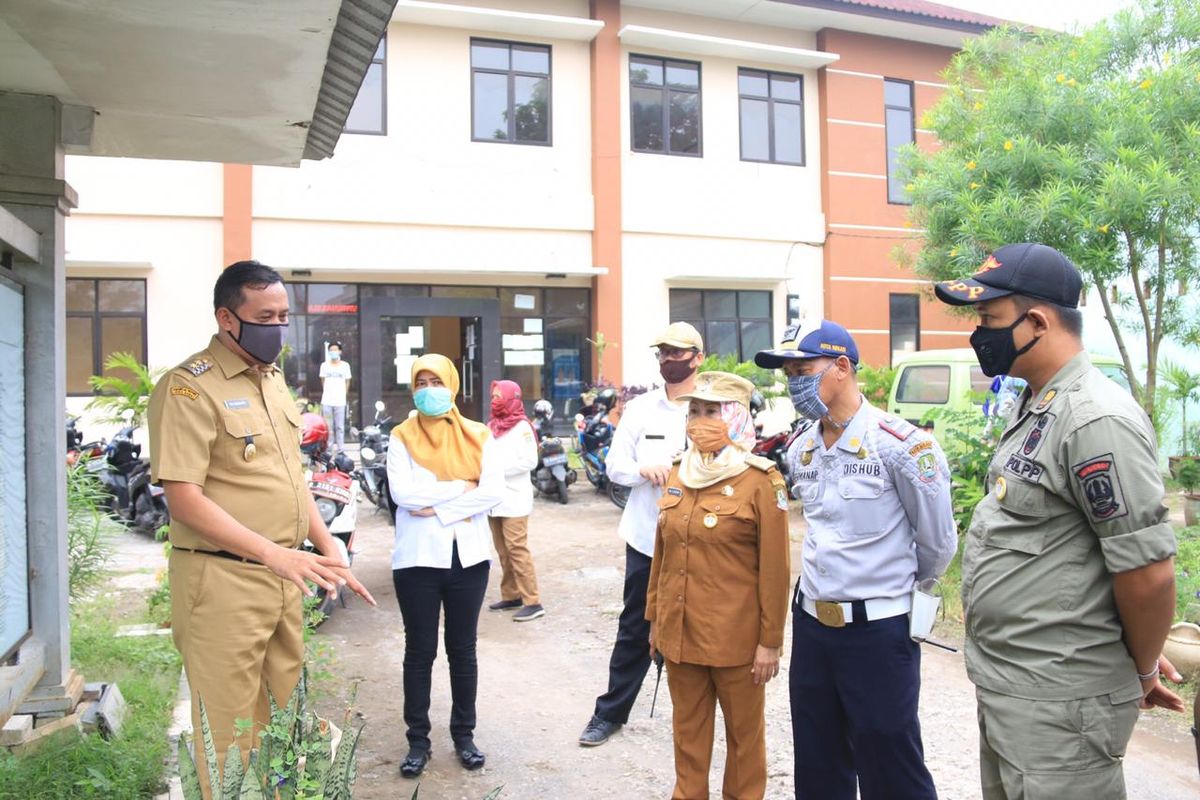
{"x": 1029, "y": 269}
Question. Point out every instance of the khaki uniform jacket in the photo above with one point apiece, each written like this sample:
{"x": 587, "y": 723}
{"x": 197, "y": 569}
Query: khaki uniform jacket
{"x": 234, "y": 431}
{"x": 1074, "y": 495}
{"x": 719, "y": 578}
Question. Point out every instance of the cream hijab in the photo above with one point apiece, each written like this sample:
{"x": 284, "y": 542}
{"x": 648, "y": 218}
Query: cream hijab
{"x": 698, "y": 470}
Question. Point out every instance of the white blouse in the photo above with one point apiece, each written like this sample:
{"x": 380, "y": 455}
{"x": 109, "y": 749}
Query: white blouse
{"x": 459, "y": 515}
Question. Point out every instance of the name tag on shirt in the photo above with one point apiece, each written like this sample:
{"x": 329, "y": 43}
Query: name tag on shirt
{"x": 655, "y": 436}
{"x": 237, "y": 404}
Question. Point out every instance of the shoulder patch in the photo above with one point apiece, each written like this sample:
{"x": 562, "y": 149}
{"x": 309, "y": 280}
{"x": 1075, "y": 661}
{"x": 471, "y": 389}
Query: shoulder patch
{"x": 199, "y": 366}
{"x": 1101, "y": 488}
{"x": 759, "y": 462}
{"x": 897, "y": 427}
{"x": 781, "y": 498}
{"x": 920, "y": 447}
{"x": 185, "y": 391}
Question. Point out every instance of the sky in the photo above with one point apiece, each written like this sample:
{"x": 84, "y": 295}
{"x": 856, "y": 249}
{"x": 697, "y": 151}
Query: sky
{"x": 1060, "y": 14}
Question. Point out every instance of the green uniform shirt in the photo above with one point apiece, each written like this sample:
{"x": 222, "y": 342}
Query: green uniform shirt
{"x": 1074, "y": 495}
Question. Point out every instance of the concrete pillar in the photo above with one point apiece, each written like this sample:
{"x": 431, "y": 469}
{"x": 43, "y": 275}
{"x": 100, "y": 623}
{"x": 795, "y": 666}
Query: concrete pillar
{"x": 32, "y": 188}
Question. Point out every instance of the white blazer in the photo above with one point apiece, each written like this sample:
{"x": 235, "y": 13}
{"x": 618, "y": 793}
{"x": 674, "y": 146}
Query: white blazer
{"x": 519, "y": 455}
{"x": 459, "y": 515}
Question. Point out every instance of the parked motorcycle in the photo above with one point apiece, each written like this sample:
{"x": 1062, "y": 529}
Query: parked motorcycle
{"x": 593, "y": 437}
{"x": 551, "y": 476}
{"x": 372, "y": 452}
{"x": 133, "y": 500}
{"x": 76, "y": 449}
{"x": 332, "y": 481}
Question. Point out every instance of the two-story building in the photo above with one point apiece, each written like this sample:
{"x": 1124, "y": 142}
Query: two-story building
{"x": 518, "y": 179}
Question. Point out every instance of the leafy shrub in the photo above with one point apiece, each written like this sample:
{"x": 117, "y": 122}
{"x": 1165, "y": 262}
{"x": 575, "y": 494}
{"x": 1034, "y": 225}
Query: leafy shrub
{"x": 89, "y": 529}
{"x": 125, "y": 386}
{"x": 876, "y": 383}
{"x": 763, "y": 379}
{"x": 1187, "y": 576}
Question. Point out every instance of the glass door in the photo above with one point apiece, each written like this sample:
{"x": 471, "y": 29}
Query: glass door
{"x": 396, "y": 331}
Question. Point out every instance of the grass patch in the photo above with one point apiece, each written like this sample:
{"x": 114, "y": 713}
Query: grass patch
{"x": 133, "y": 765}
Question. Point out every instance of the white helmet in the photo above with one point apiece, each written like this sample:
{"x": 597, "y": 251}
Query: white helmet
{"x": 543, "y": 410}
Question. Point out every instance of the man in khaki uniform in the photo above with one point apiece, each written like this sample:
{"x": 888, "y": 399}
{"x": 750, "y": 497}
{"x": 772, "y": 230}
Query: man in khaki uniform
{"x": 224, "y": 443}
{"x": 1068, "y": 570}
{"x": 718, "y": 590}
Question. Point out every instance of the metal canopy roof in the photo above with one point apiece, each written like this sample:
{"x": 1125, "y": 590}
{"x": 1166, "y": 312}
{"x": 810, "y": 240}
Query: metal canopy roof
{"x": 239, "y": 81}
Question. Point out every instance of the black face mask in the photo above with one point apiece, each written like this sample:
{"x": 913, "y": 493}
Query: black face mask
{"x": 995, "y": 348}
{"x": 264, "y": 342}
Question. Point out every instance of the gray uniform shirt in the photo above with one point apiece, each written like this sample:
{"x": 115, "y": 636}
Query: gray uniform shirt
{"x": 1074, "y": 494}
{"x": 877, "y": 505}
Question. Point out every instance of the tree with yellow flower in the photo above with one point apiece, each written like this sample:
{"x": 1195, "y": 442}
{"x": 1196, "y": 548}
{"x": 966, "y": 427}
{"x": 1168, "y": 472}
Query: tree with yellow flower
{"x": 1106, "y": 169}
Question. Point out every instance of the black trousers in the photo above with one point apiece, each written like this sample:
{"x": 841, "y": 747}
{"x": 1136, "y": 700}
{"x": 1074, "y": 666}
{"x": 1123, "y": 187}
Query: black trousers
{"x": 854, "y": 693}
{"x": 631, "y": 652}
{"x": 422, "y": 593}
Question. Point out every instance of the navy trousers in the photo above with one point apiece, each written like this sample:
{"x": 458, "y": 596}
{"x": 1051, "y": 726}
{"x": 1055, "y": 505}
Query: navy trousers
{"x": 631, "y": 652}
{"x": 854, "y": 694}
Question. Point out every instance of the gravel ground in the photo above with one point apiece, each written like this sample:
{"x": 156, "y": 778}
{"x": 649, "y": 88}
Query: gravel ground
{"x": 538, "y": 682}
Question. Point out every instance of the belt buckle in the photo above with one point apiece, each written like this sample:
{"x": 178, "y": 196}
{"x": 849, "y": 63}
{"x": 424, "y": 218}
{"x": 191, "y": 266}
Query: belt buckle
{"x": 830, "y": 614}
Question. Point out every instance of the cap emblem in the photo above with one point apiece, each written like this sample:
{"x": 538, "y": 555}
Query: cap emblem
{"x": 988, "y": 265}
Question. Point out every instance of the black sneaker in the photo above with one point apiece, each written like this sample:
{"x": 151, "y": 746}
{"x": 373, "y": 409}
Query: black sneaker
{"x": 504, "y": 605}
{"x": 529, "y": 612}
{"x": 597, "y": 732}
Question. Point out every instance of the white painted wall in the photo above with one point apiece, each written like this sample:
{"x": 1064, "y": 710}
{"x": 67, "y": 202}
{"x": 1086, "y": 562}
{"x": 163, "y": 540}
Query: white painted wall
{"x": 427, "y": 171}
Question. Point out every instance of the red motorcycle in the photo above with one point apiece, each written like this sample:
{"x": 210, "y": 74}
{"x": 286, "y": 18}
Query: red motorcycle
{"x": 333, "y": 483}
{"x": 775, "y": 446}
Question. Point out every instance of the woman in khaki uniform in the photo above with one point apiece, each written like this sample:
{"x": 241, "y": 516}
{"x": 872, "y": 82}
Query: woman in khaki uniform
{"x": 718, "y": 593}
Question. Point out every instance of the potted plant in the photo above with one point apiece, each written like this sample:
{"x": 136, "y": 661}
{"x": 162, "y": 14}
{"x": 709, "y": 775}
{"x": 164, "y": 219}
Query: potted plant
{"x": 1188, "y": 476}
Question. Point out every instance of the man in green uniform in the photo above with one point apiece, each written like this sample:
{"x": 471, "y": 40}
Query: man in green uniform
{"x": 1068, "y": 568}
{"x": 224, "y": 443}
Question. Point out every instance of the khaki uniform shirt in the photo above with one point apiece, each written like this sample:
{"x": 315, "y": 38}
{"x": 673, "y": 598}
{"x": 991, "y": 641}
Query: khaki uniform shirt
{"x": 233, "y": 430}
{"x": 1074, "y": 494}
{"x": 719, "y": 578}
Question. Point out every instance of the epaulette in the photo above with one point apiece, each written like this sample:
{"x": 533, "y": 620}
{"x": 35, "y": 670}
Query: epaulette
{"x": 198, "y": 366}
{"x": 760, "y": 462}
{"x": 900, "y": 428}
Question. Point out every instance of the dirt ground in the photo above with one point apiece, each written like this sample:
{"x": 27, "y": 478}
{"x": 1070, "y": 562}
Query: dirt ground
{"x": 538, "y": 682}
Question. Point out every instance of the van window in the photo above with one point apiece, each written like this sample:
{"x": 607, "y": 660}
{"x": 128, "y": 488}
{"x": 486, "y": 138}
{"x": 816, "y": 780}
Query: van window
{"x": 979, "y": 381}
{"x": 928, "y": 383}
{"x": 1116, "y": 373}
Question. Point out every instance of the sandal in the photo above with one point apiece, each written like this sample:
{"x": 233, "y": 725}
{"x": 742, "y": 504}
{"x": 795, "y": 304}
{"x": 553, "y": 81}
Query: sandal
{"x": 470, "y": 756}
{"x": 414, "y": 763}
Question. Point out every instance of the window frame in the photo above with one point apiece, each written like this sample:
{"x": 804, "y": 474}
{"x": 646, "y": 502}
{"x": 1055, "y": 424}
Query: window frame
{"x": 704, "y": 319}
{"x": 915, "y": 299}
{"x": 771, "y": 159}
{"x": 912, "y": 133}
{"x": 511, "y": 74}
{"x": 97, "y": 316}
{"x": 666, "y": 104}
{"x": 383, "y": 93}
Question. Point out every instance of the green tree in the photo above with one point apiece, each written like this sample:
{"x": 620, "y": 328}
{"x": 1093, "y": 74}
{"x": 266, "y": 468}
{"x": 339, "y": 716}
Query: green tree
{"x": 125, "y": 386}
{"x": 1089, "y": 143}
{"x": 1183, "y": 387}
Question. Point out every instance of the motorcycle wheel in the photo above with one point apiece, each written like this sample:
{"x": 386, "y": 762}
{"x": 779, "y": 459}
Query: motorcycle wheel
{"x": 562, "y": 491}
{"x": 148, "y": 516}
{"x": 618, "y": 494}
{"x": 593, "y": 473}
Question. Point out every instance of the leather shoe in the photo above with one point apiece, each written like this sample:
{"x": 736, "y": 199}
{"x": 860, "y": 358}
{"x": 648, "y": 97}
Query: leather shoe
{"x": 597, "y": 731}
{"x": 469, "y": 755}
{"x": 414, "y": 763}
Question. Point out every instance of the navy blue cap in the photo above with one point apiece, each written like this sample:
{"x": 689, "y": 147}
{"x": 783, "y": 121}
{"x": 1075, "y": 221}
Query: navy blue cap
{"x": 1029, "y": 269}
{"x": 827, "y": 340}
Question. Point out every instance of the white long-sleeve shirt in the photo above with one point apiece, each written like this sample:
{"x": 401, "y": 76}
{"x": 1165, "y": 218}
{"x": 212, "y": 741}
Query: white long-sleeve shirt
{"x": 651, "y": 431}
{"x": 459, "y": 515}
{"x": 518, "y": 452}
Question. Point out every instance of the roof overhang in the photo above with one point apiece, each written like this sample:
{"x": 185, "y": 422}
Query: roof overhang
{"x": 815, "y": 15}
{"x": 241, "y": 81}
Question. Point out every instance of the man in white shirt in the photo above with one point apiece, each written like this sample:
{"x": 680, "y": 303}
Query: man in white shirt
{"x": 652, "y": 430}
{"x": 335, "y": 387}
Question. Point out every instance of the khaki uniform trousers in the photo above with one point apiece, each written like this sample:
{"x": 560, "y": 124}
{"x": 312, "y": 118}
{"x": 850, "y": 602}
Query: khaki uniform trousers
{"x": 239, "y": 630}
{"x": 695, "y": 692}
{"x": 511, "y": 537}
{"x": 1053, "y": 749}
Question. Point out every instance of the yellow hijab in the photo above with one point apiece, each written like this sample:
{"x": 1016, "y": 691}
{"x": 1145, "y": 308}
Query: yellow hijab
{"x": 450, "y": 446}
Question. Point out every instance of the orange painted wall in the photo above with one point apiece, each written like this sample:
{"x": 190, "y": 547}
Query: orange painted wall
{"x": 606, "y": 178}
{"x": 237, "y": 218}
{"x": 864, "y": 250}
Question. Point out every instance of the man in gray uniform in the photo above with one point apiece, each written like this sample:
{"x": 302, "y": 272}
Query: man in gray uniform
{"x": 1068, "y": 570}
{"x": 876, "y": 493}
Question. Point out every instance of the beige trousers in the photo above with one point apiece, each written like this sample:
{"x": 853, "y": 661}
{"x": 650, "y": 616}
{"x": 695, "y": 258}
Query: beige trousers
{"x": 511, "y": 537}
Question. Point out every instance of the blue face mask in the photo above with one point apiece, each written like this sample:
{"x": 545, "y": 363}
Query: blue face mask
{"x": 433, "y": 401}
{"x": 334, "y": 355}
{"x": 806, "y": 395}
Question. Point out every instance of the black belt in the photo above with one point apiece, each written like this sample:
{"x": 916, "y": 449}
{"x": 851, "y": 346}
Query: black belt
{"x": 219, "y": 554}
